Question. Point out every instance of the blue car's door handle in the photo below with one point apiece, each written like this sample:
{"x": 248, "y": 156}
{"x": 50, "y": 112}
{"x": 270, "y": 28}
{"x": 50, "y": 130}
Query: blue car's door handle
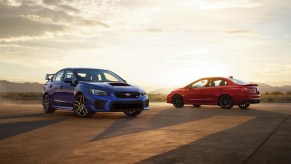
{"x": 51, "y": 86}
{"x": 61, "y": 87}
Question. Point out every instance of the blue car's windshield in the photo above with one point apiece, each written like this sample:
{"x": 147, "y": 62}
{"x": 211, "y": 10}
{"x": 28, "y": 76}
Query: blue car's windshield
{"x": 97, "y": 75}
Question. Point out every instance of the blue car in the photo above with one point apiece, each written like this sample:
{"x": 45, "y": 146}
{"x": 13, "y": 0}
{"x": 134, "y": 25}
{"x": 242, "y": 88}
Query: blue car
{"x": 87, "y": 91}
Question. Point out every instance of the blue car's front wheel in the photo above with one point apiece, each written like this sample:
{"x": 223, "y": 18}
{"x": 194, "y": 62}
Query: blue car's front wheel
{"x": 80, "y": 107}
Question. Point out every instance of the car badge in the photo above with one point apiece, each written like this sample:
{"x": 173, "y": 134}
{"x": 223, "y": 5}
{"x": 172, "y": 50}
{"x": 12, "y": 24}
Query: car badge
{"x": 127, "y": 94}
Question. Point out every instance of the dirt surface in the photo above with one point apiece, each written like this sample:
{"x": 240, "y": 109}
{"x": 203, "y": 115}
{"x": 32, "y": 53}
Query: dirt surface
{"x": 161, "y": 135}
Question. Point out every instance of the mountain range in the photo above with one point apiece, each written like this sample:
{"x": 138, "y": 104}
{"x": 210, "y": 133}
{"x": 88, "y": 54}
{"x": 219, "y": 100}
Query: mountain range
{"x": 7, "y": 86}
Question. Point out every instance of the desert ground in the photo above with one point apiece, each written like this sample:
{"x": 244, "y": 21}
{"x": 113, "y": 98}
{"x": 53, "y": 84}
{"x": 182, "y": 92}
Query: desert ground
{"x": 161, "y": 135}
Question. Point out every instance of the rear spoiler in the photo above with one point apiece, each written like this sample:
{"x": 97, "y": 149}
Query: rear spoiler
{"x": 47, "y": 76}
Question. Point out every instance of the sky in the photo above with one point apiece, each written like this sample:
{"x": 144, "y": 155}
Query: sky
{"x": 151, "y": 43}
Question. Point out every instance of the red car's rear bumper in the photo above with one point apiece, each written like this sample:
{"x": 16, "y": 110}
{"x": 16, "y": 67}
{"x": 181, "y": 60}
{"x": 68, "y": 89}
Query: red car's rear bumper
{"x": 250, "y": 99}
{"x": 253, "y": 101}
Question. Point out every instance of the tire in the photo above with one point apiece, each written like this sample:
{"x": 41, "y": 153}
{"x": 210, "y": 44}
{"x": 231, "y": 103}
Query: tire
{"x": 196, "y": 106}
{"x": 80, "y": 107}
{"x": 132, "y": 113}
{"x": 177, "y": 101}
{"x": 244, "y": 106}
{"x": 47, "y": 106}
{"x": 225, "y": 102}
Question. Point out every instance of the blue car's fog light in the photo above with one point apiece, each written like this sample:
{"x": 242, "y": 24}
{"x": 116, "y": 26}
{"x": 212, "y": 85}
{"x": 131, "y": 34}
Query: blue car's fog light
{"x": 100, "y": 104}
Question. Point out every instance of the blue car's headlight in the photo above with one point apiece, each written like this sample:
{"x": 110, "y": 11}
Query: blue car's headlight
{"x": 99, "y": 92}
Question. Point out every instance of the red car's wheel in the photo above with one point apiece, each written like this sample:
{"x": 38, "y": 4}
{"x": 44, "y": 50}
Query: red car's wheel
{"x": 244, "y": 106}
{"x": 225, "y": 102}
{"x": 178, "y": 101}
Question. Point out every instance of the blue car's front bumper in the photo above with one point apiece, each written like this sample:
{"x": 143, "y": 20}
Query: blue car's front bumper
{"x": 114, "y": 104}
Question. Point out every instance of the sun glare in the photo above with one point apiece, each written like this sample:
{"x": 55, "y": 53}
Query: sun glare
{"x": 181, "y": 76}
{"x": 212, "y": 69}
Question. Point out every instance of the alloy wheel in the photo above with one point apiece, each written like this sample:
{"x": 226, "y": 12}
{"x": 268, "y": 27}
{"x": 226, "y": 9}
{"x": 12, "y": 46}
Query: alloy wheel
{"x": 178, "y": 101}
{"x": 80, "y": 106}
{"x": 244, "y": 106}
{"x": 225, "y": 102}
{"x": 47, "y": 104}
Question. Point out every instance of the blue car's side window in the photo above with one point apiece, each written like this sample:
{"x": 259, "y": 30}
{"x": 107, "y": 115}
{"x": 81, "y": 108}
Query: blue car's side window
{"x": 58, "y": 77}
{"x": 69, "y": 74}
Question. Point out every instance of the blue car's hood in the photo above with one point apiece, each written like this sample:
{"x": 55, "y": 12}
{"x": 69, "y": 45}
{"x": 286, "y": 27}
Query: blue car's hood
{"x": 112, "y": 87}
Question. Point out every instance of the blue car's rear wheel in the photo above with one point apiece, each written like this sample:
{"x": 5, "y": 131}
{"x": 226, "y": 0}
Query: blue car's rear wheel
{"x": 133, "y": 113}
{"x": 47, "y": 106}
{"x": 80, "y": 107}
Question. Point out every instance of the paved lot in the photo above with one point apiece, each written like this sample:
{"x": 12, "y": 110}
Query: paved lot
{"x": 161, "y": 135}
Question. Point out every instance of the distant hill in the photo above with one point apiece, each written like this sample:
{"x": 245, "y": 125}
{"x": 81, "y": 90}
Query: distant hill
{"x": 268, "y": 88}
{"x": 162, "y": 91}
{"x": 7, "y": 86}
{"x": 263, "y": 89}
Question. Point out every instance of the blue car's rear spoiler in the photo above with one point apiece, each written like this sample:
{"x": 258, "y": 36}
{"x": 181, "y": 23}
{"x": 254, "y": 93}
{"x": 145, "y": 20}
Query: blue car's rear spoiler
{"x": 47, "y": 76}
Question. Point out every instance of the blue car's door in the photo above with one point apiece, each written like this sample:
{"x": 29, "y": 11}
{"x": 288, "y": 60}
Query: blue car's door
{"x": 55, "y": 86}
{"x": 67, "y": 91}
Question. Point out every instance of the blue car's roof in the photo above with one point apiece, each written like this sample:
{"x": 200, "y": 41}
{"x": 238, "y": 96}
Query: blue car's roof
{"x": 85, "y": 68}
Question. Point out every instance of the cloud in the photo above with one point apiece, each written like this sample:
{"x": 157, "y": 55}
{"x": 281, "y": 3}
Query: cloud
{"x": 238, "y": 32}
{"x": 224, "y": 4}
{"x": 37, "y": 19}
{"x": 52, "y": 2}
{"x": 92, "y": 23}
{"x": 68, "y": 8}
{"x": 154, "y": 30}
{"x": 19, "y": 27}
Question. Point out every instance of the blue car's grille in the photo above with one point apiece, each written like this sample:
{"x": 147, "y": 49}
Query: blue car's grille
{"x": 127, "y": 94}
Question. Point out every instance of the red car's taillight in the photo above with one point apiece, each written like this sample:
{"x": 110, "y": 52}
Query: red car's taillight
{"x": 253, "y": 90}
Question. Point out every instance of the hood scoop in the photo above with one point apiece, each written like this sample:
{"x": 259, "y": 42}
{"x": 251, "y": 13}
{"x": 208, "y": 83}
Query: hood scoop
{"x": 119, "y": 84}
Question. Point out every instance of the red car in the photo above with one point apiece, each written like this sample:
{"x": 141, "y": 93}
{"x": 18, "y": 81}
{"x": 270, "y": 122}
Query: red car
{"x": 225, "y": 92}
